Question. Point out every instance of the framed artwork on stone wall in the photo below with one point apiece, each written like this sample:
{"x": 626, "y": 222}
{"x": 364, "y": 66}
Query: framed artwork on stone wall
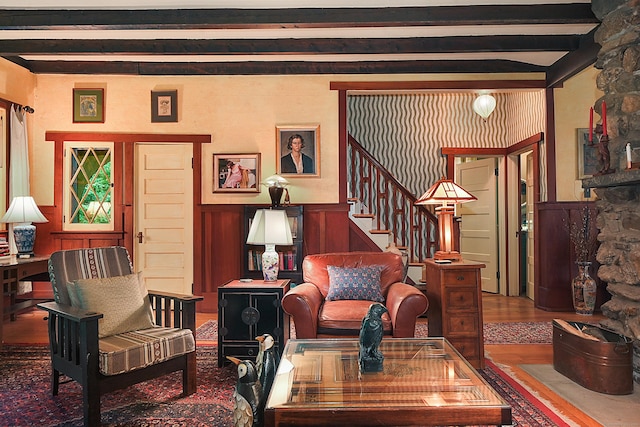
{"x": 587, "y": 155}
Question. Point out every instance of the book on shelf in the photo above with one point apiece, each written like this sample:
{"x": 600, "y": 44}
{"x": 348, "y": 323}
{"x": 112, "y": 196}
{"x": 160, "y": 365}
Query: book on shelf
{"x": 4, "y": 248}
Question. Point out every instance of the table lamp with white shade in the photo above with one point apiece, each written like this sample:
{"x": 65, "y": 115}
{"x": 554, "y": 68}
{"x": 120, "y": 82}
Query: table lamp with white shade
{"x": 270, "y": 228}
{"x": 21, "y": 213}
{"x": 446, "y": 193}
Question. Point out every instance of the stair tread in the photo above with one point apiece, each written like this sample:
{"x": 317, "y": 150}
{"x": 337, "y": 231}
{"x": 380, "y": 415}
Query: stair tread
{"x": 363, "y": 215}
{"x": 379, "y": 231}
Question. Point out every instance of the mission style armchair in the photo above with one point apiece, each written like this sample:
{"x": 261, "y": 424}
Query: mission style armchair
{"x": 329, "y": 303}
{"x": 107, "y": 332}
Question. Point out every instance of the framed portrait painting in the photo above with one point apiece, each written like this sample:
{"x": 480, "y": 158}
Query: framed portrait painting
{"x": 298, "y": 150}
{"x": 164, "y": 106}
{"x": 587, "y": 155}
{"x": 236, "y": 173}
{"x": 88, "y": 105}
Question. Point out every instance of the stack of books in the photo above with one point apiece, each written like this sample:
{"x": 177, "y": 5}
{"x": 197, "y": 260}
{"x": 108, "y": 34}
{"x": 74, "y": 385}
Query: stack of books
{"x": 4, "y": 248}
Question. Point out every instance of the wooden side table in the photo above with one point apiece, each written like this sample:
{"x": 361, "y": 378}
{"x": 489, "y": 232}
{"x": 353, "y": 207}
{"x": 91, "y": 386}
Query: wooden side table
{"x": 249, "y": 309}
{"x": 13, "y": 270}
{"x": 455, "y": 306}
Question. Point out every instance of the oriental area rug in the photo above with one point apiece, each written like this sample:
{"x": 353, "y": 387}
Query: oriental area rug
{"x": 26, "y": 400}
{"x": 494, "y": 333}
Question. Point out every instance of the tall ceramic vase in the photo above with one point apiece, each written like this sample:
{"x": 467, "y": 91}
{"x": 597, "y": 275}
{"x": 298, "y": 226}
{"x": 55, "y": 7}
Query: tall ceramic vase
{"x": 584, "y": 290}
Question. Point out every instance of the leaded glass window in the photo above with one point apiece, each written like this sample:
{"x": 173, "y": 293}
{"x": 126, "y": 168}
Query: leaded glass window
{"x": 89, "y": 186}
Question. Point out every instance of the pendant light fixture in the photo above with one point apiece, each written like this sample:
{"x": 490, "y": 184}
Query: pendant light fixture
{"x": 484, "y": 105}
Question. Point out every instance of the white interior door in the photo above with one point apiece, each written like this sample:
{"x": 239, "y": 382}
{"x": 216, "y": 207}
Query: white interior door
{"x": 164, "y": 216}
{"x": 530, "y": 226}
{"x": 479, "y": 226}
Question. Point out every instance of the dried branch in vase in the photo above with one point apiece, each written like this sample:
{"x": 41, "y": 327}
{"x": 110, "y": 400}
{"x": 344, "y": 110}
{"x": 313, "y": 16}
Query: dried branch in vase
{"x": 583, "y": 236}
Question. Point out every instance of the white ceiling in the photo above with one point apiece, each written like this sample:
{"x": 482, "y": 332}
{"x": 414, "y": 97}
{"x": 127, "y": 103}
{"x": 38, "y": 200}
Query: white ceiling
{"x": 15, "y": 37}
{"x": 252, "y": 4}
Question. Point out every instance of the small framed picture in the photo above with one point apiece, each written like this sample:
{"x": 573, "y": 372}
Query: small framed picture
{"x": 164, "y": 106}
{"x": 587, "y": 154}
{"x": 298, "y": 150}
{"x": 236, "y": 173}
{"x": 88, "y": 105}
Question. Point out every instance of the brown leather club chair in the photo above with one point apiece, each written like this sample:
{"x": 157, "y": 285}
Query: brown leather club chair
{"x": 316, "y": 317}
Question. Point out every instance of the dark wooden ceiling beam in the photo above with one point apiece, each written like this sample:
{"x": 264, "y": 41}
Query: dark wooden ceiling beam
{"x": 535, "y": 43}
{"x": 279, "y": 68}
{"x": 297, "y": 18}
{"x": 574, "y": 62}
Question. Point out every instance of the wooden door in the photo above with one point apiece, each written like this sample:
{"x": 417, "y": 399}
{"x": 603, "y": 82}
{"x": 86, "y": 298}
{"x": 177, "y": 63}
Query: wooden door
{"x": 163, "y": 242}
{"x": 478, "y": 229}
{"x": 530, "y": 225}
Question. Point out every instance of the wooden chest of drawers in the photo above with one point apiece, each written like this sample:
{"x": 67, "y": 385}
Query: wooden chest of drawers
{"x": 455, "y": 306}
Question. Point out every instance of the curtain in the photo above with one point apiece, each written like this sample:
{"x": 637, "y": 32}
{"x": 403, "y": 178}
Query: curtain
{"x": 19, "y": 155}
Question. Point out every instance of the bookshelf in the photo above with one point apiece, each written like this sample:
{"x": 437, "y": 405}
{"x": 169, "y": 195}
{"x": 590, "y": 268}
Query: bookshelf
{"x": 290, "y": 256}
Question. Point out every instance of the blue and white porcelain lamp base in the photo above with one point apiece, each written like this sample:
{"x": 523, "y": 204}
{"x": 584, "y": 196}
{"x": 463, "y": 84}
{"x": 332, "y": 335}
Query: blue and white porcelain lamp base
{"x": 270, "y": 263}
{"x": 25, "y": 238}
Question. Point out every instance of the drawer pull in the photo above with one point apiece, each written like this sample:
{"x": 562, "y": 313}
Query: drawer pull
{"x": 460, "y": 278}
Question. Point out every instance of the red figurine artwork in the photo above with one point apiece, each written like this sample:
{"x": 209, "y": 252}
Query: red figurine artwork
{"x": 604, "y": 157}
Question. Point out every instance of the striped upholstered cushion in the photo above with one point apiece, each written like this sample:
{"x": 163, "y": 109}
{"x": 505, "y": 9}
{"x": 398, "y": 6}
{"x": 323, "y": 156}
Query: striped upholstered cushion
{"x": 91, "y": 263}
{"x": 137, "y": 349}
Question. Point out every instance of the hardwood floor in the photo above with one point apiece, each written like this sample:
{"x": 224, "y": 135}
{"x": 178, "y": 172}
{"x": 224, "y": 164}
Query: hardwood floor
{"x": 31, "y": 328}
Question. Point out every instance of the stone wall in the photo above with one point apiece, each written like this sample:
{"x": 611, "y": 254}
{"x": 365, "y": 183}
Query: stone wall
{"x": 619, "y": 193}
{"x": 619, "y": 60}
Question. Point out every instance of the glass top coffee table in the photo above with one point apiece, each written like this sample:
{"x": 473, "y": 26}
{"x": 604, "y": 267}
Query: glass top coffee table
{"x": 425, "y": 382}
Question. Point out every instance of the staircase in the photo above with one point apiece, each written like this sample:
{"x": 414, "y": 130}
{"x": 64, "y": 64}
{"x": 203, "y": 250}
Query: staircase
{"x": 384, "y": 210}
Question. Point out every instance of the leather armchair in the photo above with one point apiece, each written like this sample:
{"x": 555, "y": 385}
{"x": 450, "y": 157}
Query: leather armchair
{"x": 315, "y": 317}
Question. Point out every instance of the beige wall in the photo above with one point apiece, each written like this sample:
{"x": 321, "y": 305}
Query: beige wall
{"x": 572, "y": 103}
{"x": 16, "y": 84}
{"x": 241, "y": 113}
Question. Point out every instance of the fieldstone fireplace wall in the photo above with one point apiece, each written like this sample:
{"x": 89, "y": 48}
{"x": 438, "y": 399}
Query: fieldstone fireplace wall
{"x": 618, "y": 193}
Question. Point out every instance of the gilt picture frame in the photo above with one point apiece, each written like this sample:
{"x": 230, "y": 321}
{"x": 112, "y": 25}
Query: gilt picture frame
{"x": 236, "y": 173}
{"x": 164, "y": 106}
{"x": 587, "y": 164}
{"x": 305, "y": 140}
{"x": 88, "y": 106}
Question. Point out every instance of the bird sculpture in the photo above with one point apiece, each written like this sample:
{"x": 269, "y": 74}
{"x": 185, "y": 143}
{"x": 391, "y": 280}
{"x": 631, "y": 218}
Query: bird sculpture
{"x": 248, "y": 399}
{"x": 370, "y": 359}
{"x": 267, "y": 362}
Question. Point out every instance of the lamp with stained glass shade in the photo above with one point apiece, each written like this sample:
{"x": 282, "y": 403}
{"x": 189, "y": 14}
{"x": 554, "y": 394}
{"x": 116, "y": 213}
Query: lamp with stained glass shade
{"x": 447, "y": 194}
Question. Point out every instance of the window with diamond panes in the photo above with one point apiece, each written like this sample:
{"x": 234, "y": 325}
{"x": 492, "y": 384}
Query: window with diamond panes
{"x": 89, "y": 190}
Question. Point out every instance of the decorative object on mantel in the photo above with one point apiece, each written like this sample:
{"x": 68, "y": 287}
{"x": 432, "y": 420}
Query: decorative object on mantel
{"x": 583, "y": 286}
{"x": 447, "y": 193}
{"x": 277, "y": 185}
{"x": 21, "y": 213}
{"x": 604, "y": 157}
{"x": 270, "y": 228}
{"x": 370, "y": 358}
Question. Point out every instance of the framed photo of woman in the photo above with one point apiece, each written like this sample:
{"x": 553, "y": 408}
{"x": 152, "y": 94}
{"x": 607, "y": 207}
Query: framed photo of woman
{"x": 236, "y": 173}
{"x": 298, "y": 150}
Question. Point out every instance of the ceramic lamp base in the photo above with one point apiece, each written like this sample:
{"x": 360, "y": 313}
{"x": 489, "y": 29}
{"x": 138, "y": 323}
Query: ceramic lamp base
{"x": 25, "y": 238}
{"x": 270, "y": 263}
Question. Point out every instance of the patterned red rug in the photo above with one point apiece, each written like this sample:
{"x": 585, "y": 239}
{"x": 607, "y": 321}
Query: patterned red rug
{"x": 26, "y": 400}
{"x": 494, "y": 333}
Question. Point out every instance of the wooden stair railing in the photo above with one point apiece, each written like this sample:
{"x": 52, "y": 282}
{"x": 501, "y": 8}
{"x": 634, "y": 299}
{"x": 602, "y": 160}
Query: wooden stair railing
{"x": 391, "y": 204}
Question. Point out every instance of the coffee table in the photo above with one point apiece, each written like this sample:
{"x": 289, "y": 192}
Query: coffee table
{"x": 425, "y": 382}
